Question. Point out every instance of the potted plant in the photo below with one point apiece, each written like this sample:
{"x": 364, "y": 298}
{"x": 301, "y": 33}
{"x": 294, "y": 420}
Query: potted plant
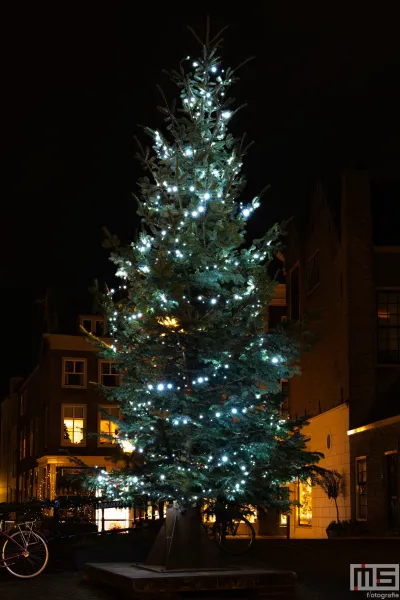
{"x": 334, "y": 529}
{"x": 331, "y": 483}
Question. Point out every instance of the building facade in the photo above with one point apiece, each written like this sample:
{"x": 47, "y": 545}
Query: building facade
{"x": 9, "y": 443}
{"x": 53, "y": 420}
{"x": 346, "y": 293}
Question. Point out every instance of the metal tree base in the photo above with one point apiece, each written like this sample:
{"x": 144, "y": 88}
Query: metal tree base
{"x": 183, "y": 543}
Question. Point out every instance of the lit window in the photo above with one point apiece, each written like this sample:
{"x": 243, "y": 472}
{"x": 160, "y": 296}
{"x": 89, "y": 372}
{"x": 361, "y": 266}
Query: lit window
{"x": 313, "y": 275}
{"x": 388, "y": 327}
{"x": 361, "y": 488}
{"x": 108, "y": 427}
{"x": 109, "y": 374}
{"x": 74, "y": 372}
{"x": 73, "y": 425}
{"x": 305, "y": 500}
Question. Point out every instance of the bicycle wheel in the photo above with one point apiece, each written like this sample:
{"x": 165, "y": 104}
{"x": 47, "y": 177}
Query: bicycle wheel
{"x": 30, "y": 564}
{"x": 234, "y": 536}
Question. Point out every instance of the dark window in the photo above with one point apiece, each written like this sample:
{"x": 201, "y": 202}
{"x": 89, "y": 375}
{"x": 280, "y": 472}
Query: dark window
{"x": 275, "y": 314}
{"x": 87, "y": 324}
{"x": 361, "y": 489}
{"x": 388, "y": 327}
{"x": 46, "y": 417}
{"x": 99, "y": 328}
{"x": 23, "y": 402}
{"x": 285, "y": 393}
{"x": 74, "y": 373}
{"x": 294, "y": 294}
{"x": 109, "y": 374}
{"x": 313, "y": 275}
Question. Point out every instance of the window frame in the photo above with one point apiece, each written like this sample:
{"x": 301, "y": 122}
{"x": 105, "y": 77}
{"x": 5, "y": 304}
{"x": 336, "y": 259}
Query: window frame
{"x": 100, "y": 419}
{"x": 64, "y": 442}
{"x": 357, "y": 484}
{"x": 63, "y": 372}
{"x": 379, "y": 327}
{"x": 311, "y": 261}
{"x": 118, "y": 376}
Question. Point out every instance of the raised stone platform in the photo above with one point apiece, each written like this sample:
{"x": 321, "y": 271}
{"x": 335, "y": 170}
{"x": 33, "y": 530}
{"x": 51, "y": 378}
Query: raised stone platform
{"x": 147, "y": 583}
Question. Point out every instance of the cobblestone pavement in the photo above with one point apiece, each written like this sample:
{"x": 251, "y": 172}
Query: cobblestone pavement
{"x": 50, "y": 586}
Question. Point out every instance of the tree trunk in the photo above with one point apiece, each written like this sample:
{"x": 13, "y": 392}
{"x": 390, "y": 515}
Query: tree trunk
{"x": 183, "y": 543}
{"x": 337, "y": 510}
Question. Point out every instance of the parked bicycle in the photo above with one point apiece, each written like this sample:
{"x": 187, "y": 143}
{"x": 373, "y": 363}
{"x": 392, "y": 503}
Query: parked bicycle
{"x": 25, "y": 553}
{"x": 229, "y": 527}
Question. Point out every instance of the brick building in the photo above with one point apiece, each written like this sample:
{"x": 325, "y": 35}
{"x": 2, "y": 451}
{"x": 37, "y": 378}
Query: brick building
{"x": 9, "y": 443}
{"x": 347, "y": 292}
{"x": 55, "y": 416}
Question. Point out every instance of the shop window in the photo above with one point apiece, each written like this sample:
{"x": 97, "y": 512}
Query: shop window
{"x": 305, "y": 500}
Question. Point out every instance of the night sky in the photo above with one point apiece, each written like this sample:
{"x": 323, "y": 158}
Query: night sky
{"x": 323, "y": 95}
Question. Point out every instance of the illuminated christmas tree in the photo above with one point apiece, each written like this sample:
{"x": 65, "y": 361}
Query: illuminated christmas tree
{"x": 200, "y": 390}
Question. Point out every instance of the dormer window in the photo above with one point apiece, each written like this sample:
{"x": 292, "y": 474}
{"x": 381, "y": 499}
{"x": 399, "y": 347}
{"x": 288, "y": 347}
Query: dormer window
{"x": 94, "y": 325}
